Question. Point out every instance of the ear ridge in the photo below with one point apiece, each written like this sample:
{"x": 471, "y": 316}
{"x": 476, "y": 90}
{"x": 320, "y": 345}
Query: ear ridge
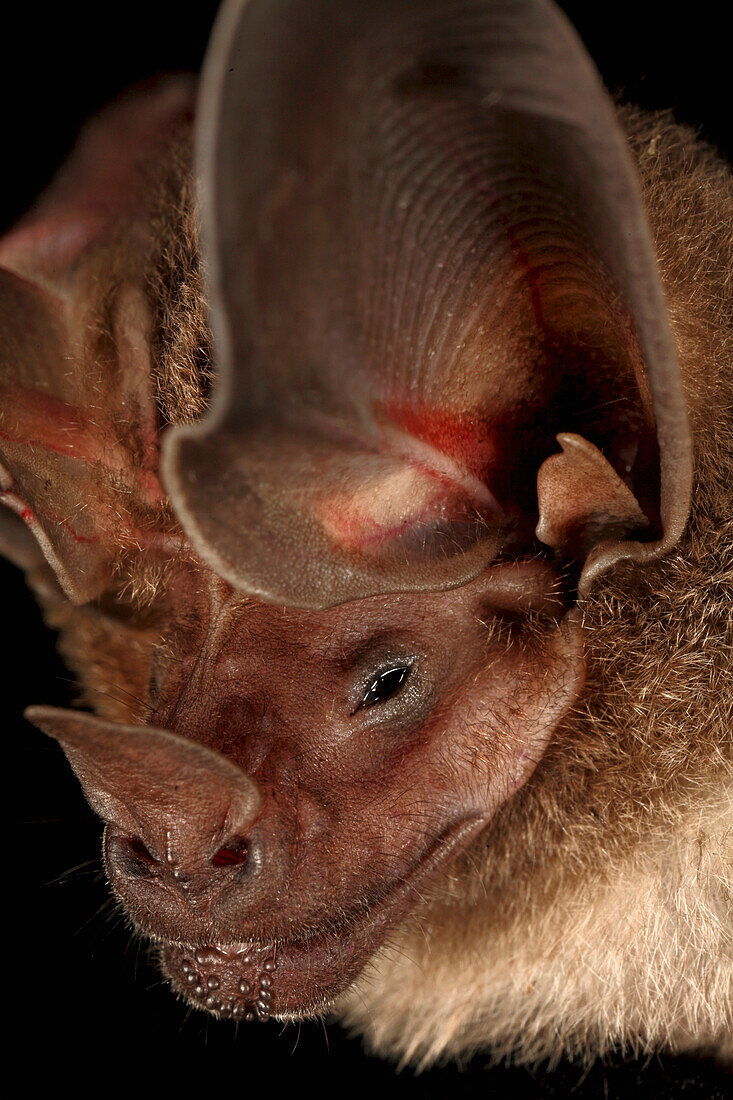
{"x": 325, "y": 230}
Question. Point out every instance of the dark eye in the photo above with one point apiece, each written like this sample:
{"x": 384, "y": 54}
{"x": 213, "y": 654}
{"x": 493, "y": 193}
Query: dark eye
{"x": 385, "y": 684}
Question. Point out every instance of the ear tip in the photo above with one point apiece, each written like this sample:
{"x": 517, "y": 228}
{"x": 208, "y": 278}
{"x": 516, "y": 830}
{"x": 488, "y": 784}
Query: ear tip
{"x": 43, "y": 718}
{"x": 38, "y": 712}
{"x": 54, "y": 721}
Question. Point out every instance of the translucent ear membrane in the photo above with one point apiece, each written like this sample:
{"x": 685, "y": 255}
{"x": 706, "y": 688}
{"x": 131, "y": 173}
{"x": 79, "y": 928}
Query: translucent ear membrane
{"x": 78, "y": 431}
{"x": 77, "y": 445}
{"x": 426, "y": 259}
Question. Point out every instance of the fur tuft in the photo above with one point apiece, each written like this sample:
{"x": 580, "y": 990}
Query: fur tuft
{"x": 182, "y": 345}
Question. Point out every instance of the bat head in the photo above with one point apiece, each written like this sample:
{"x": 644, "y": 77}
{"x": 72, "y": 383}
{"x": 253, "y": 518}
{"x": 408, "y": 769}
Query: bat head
{"x": 446, "y": 401}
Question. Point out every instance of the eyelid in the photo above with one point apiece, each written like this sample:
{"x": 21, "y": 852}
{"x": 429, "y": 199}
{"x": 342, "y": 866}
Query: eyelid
{"x": 389, "y": 665}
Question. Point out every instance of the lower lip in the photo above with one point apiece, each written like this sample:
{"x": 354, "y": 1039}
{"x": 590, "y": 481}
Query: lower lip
{"x": 246, "y": 981}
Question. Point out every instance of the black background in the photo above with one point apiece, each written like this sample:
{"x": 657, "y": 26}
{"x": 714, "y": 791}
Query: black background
{"x": 88, "y": 1009}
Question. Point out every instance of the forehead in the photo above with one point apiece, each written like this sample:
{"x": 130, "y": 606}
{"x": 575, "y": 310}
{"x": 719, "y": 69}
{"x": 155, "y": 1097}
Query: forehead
{"x": 206, "y": 611}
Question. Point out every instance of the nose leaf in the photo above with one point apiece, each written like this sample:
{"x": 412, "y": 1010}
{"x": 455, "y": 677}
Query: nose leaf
{"x": 185, "y": 802}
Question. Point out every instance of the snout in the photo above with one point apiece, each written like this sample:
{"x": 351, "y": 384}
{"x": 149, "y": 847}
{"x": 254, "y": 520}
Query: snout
{"x": 193, "y": 888}
{"x": 183, "y": 848}
{"x": 184, "y": 892}
{"x": 256, "y": 909}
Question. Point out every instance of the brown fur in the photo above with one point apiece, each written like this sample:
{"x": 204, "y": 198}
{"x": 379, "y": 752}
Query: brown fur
{"x": 182, "y": 341}
{"x": 598, "y": 909}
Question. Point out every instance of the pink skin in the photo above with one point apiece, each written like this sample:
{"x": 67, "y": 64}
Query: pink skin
{"x": 444, "y": 465}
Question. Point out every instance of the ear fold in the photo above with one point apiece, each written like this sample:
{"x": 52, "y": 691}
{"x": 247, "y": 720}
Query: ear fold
{"x": 427, "y": 259}
{"x": 78, "y": 431}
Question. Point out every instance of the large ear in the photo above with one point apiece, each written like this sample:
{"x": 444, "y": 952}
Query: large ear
{"x": 427, "y": 260}
{"x": 78, "y": 431}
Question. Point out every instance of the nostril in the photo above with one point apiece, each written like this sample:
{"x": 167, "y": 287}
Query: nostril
{"x": 133, "y": 857}
{"x": 232, "y": 854}
{"x": 137, "y": 846}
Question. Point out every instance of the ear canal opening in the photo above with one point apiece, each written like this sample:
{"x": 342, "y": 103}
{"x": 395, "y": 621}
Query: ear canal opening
{"x": 577, "y": 392}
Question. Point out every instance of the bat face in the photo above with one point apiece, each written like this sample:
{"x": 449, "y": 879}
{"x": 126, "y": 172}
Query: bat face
{"x": 358, "y": 420}
{"x": 343, "y": 757}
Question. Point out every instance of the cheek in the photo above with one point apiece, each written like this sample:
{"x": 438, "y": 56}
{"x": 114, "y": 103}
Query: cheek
{"x": 502, "y": 718}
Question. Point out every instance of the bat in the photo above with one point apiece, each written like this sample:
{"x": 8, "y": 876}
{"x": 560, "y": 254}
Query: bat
{"x": 376, "y": 538}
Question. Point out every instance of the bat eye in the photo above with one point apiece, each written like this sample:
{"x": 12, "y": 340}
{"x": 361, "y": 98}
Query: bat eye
{"x": 384, "y": 685}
